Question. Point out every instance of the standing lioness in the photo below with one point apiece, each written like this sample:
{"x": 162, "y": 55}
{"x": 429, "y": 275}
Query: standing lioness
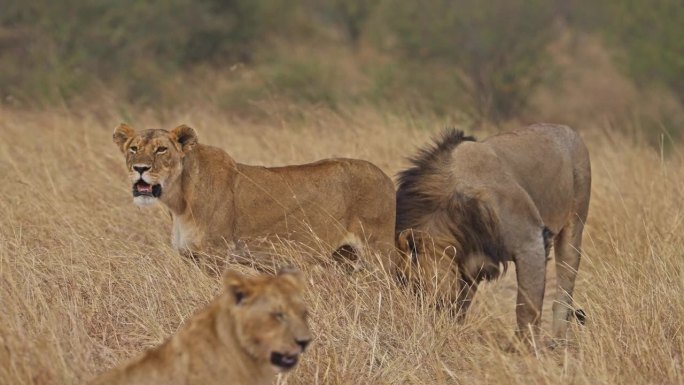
{"x": 465, "y": 208}
{"x": 335, "y": 204}
{"x": 256, "y": 328}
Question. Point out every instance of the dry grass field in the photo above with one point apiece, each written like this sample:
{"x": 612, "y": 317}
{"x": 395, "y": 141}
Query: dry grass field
{"x": 88, "y": 280}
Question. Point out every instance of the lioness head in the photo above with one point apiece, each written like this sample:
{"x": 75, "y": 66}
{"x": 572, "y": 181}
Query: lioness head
{"x": 153, "y": 158}
{"x": 270, "y": 316}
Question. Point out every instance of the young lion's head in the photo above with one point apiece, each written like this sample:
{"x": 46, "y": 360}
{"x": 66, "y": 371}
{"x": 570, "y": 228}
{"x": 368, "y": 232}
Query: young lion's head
{"x": 153, "y": 158}
{"x": 269, "y": 316}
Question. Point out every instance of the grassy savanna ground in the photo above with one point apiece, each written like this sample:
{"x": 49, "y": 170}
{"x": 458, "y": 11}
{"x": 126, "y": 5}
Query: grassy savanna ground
{"x": 88, "y": 280}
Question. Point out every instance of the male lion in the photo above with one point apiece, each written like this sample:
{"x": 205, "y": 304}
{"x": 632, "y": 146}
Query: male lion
{"x": 256, "y": 328}
{"x": 338, "y": 204}
{"x": 466, "y": 208}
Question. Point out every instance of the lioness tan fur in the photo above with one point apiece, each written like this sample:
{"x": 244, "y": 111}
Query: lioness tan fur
{"x": 256, "y": 328}
{"x": 337, "y": 204}
{"x": 466, "y": 208}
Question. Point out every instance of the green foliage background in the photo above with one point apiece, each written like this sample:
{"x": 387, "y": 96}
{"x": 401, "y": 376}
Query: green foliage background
{"x": 647, "y": 36}
{"x": 485, "y": 58}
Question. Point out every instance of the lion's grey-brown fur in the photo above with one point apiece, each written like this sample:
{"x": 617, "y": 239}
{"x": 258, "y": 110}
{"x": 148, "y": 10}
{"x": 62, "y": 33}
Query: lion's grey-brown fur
{"x": 465, "y": 208}
{"x": 462, "y": 221}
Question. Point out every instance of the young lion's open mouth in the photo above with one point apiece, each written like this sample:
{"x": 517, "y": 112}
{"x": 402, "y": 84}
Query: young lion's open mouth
{"x": 142, "y": 188}
{"x": 283, "y": 361}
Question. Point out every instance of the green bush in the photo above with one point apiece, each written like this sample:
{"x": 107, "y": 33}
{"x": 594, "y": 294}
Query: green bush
{"x": 420, "y": 87}
{"x": 280, "y": 83}
{"x": 646, "y": 36}
{"x": 495, "y": 49}
{"x": 134, "y": 43}
{"x": 304, "y": 80}
{"x": 349, "y": 15}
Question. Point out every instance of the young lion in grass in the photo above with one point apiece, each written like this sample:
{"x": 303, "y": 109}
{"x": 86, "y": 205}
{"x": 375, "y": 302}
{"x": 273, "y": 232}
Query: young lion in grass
{"x": 256, "y": 328}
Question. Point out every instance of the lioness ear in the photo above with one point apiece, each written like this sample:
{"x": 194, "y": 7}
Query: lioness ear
{"x": 122, "y": 133}
{"x": 410, "y": 243}
{"x": 236, "y": 285}
{"x": 185, "y": 136}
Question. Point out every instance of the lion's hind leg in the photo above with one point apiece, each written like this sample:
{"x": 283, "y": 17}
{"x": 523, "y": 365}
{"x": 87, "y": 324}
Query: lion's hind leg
{"x": 349, "y": 252}
{"x": 367, "y": 248}
{"x": 346, "y": 253}
{"x": 567, "y": 249}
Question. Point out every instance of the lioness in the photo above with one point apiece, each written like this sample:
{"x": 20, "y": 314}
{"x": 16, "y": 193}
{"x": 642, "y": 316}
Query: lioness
{"x": 256, "y": 328}
{"x": 466, "y": 208}
{"x": 337, "y": 204}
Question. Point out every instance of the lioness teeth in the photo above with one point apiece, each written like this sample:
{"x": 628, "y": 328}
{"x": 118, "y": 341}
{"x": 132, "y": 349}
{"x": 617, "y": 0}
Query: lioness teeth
{"x": 143, "y": 187}
{"x": 289, "y": 360}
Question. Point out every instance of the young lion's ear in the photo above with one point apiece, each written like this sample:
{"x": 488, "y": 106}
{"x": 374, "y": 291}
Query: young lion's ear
{"x": 237, "y": 285}
{"x": 410, "y": 242}
{"x": 291, "y": 274}
{"x": 122, "y": 133}
{"x": 185, "y": 136}
{"x": 289, "y": 270}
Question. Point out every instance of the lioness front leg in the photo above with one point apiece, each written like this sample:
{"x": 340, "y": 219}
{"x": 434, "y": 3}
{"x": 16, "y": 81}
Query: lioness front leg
{"x": 530, "y": 267}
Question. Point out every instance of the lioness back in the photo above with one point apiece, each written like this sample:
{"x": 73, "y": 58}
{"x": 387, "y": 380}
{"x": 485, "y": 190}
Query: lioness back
{"x": 328, "y": 200}
{"x": 256, "y": 328}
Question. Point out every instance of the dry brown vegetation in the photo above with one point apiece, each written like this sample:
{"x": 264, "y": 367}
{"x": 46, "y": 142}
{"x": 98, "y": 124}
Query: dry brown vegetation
{"x": 87, "y": 279}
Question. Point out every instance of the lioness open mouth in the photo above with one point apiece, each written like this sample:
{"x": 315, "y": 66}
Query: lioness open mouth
{"x": 142, "y": 188}
{"x": 284, "y": 361}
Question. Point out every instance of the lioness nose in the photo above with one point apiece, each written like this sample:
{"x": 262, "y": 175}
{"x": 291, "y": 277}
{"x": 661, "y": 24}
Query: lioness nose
{"x": 303, "y": 343}
{"x": 141, "y": 169}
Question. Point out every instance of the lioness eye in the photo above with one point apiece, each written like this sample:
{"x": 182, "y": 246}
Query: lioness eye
{"x": 161, "y": 150}
{"x": 279, "y": 316}
{"x": 133, "y": 149}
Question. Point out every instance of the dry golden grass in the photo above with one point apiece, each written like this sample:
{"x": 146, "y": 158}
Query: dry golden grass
{"x": 87, "y": 279}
